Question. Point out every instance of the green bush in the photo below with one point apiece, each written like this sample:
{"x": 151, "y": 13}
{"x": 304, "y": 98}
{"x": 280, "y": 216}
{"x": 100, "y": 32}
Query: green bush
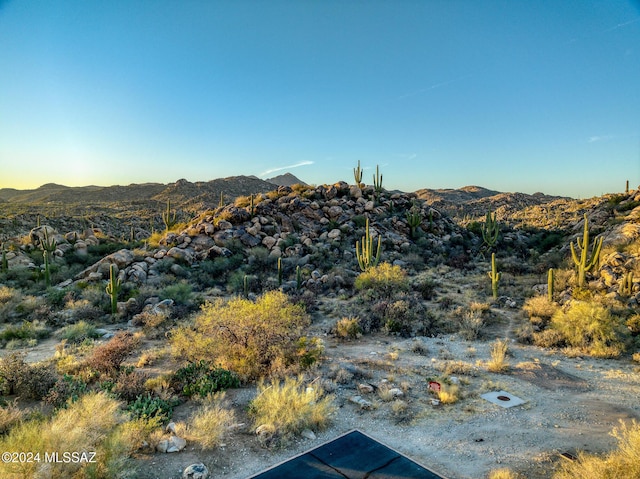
{"x": 254, "y": 339}
{"x": 590, "y": 327}
{"x": 181, "y": 293}
{"x": 25, "y": 331}
{"x": 149, "y": 407}
{"x": 383, "y": 281}
{"x": 202, "y": 378}
{"x": 77, "y": 333}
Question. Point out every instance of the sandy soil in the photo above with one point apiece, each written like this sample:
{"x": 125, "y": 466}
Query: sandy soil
{"x": 571, "y": 404}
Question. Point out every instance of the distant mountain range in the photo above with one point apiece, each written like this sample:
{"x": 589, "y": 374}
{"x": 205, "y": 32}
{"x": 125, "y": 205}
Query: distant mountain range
{"x": 475, "y": 201}
{"x": 469, "y": 201}
{"x": 182, "y": 192}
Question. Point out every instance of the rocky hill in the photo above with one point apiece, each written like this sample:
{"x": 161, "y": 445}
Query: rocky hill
{"x": 285, "y": 180}
{"x": 473, "y": 202}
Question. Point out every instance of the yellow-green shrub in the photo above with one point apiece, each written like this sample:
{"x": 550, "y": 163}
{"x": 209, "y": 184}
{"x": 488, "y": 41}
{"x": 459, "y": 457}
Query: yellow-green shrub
{"x": 498, "y": 363}
{"x": 94, "y": 423}
{"x": 210, "y": 422}
{"x": 252, "y": 338}
{"x": 289, "y": 407}
{"x": 383, "y": 280}
{"x": 621, "y": 463}
{"x": 589, "y": 326}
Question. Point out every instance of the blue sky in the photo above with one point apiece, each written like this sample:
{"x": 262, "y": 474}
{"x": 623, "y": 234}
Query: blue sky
{"x": 510, "y": 95}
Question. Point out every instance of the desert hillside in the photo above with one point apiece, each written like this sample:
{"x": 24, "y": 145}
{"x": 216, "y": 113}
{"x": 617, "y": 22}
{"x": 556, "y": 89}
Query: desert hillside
{"x": 174, "y": 326}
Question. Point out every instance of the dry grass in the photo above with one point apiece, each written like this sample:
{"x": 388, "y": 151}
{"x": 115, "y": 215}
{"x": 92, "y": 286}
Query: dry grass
{"x": 290, "y": 406}
{"x": 10, "y": 415}
{"x": 504, "y": 473}
{"x": 210, "y": 423}
{"x": 621, "y": 463}
{"x": 94, "y": 423}
{"x": 498, "y": 362}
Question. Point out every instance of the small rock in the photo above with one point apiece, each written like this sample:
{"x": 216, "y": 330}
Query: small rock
{"x": 196, "y": 471}
{"x": 308, "y": 434}
{"x": 176, "y": 444}
{"x": 365, "y": 388}
{"x": 363, "y": 403}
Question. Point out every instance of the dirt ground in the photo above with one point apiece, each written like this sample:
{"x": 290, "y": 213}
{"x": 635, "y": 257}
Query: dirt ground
{"x": 571, "y": 405}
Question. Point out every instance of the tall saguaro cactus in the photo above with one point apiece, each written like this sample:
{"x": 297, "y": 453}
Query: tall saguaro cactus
{"x": 550, "y": 278}
{"x": 48, "y": 247}
{"x": 169, "y": 219}
{"x": 113, "y": 288}
{"x": 377, "y": 184}
{"x": 364, "y": 250}
{"x": 585, "y": 262}
{"x": 357, "y": 175}
{"x": 4, "y": 266}
{"x": 495, "y": 276}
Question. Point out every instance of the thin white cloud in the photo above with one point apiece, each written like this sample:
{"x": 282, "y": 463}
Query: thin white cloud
{"x": 432, "y": 87}
{"x": 297, "y": 165}
{"x": 596, "y": 138}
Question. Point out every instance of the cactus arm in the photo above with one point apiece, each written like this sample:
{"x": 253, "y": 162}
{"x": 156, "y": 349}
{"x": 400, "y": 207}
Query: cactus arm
{"x": 550, "y": 277}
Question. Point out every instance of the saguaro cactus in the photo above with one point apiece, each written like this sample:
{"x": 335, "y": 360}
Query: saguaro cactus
{"x": 169, "y": 219}
{"x": 5, "y": 263}
{"x": 113, "y": 288}
{"x": 279, "y": 271}
{"x": 626, "y": 284}
{"x": 357, "y": 175}
{"x": 495, "y": 276}
{"x": 364, "y": 251}
{"x": 550, "y": 278}
{"x": 221, "y": 202}
{"x": 490, "y": 230}
{"x": 48, "y": 247}
{"x": 377, "y": 184}
{"x": 414, "y": 218}
{"x": 585, "y": 262}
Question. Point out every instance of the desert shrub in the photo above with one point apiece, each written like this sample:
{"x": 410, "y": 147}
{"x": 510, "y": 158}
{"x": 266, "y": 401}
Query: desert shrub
{"x": 540, "y": 310}
{"x": 210, "y": 422}
{"x": 252, "y": 338}
{"x": 129, "y": 384}
{"x": 348, "y": 328}
{"x": 202, "y": 378}
{"x": 590, "y": 327}
{"x": 287, "y": 408}
{"x": 621, "y": 463}
{"x": 66, "y": 389}
{"x": 469, "y": 322}
{"x": 498, "y": 352}
{"x": 78, "y": 332}
{"x": 548, "y": 338}
{"x": 426, "y": 288}
{"x": 90, "y": 424}
{"x": 633, "y": 324}
{"x": 10, "y": 415}
{"x": 449, "y": 393}
{"x": 107, "y": 358}
{"x": 382, "y": 281}
{"x": 504, "y": 473}
{"x": 27, "y": 381}
{"x": 25, "y": 331}
{"x": 309, "y": 351}
{"x": 150, "y": 407}
{"x": 181, "y": 293}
